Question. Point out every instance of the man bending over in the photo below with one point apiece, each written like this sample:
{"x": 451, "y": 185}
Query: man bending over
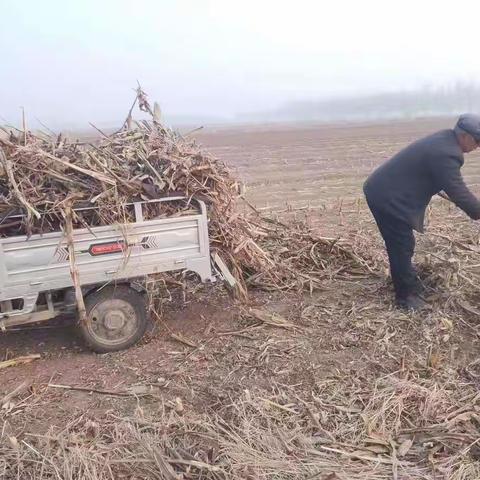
{"x": 399, "y": 191}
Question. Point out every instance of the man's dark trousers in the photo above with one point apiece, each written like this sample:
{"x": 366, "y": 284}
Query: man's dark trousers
{"x": 400, "y": 244}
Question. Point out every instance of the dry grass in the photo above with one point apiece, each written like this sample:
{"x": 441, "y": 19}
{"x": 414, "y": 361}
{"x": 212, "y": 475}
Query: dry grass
{"x": 418, "y": 419}
{"x": 394, "y": 428}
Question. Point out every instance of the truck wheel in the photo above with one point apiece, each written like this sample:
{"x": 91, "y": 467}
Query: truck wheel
{"x": 116, "y": 319}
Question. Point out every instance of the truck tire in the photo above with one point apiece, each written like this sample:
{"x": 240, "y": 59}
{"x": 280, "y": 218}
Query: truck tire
{"x": 116, "y": 319}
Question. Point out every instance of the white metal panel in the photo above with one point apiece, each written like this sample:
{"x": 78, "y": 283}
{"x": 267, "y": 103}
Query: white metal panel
{"x": 41, "y": 262}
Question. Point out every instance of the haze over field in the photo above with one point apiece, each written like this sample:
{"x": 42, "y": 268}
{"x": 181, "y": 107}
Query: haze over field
{"x": 72, "y": 62}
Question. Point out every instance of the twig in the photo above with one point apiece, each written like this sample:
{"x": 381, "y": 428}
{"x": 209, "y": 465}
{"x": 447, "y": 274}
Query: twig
{"x": 182, "y": 339}
{"x": 8, "y": 168}
{"x": 82, "y": 312}
{"x": 15, "y": 392}
{"x": 19, "y": 360}
{"x": 96, "y": 390}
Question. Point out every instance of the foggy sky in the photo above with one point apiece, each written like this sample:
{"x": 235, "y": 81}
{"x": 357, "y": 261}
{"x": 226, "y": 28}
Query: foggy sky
{"x": 68, "y": 62}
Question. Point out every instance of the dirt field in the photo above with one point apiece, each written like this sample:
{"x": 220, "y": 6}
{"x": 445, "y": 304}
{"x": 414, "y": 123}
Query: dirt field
{"x": 342, "y": 387}
{"x": 315, "y": 165}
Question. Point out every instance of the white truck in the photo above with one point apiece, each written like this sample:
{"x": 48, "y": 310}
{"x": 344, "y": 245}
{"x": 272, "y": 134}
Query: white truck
{"x": 112, "y": 263}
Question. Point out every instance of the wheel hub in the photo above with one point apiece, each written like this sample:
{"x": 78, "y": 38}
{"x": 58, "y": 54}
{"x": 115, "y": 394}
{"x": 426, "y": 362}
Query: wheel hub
{"x": 114, "y": 320}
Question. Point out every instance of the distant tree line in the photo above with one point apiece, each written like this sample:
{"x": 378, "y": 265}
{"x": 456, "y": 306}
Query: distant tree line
{"x": 427, "y": 101}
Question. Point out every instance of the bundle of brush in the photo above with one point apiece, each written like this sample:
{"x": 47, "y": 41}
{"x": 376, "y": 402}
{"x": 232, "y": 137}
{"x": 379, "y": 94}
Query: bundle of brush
{"x": 43, "y": 175}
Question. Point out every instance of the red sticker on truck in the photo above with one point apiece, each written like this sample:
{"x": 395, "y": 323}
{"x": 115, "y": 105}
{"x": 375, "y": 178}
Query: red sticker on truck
{"x": 106, "y": 248}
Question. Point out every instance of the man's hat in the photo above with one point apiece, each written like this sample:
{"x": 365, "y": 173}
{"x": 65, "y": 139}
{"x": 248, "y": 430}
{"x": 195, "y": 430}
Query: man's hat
{"x": 470, "y": 123}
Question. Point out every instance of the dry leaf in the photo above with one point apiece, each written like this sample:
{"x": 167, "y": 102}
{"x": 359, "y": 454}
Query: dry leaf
{"x": 377, "y": 449}
{"x": 447, "y": 324}
{"x": 13, "y": 443}
{"x": 404, "y": 447}
{"x": 273, "y": 319}
{"x": 179, "y": 408}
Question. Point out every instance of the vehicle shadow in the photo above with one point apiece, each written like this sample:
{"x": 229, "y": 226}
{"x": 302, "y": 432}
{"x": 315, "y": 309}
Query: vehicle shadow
{"x": 50, "y": 338}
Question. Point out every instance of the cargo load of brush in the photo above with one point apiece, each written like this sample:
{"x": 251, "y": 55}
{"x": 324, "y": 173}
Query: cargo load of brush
{"x": 45, "y": 175}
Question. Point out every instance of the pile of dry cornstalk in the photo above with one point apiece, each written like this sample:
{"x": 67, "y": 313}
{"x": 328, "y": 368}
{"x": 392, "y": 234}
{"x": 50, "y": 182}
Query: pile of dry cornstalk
{"x": 45, "y": 177}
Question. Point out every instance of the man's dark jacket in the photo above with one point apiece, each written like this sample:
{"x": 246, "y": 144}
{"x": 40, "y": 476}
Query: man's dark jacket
{"x": 404, "y": 185}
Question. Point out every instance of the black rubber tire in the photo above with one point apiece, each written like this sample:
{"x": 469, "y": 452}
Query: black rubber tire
{"x": 129, "y": 299}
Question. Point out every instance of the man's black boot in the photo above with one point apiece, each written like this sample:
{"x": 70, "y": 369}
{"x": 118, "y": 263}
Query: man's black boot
{"x": 411, "y": 303}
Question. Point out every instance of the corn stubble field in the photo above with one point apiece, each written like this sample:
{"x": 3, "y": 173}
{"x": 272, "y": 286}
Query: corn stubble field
{"x": 329, "y": 384}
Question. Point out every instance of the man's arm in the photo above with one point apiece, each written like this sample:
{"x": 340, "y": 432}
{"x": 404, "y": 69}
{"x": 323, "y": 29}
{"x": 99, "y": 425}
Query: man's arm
{"x": 447, "y": 173}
